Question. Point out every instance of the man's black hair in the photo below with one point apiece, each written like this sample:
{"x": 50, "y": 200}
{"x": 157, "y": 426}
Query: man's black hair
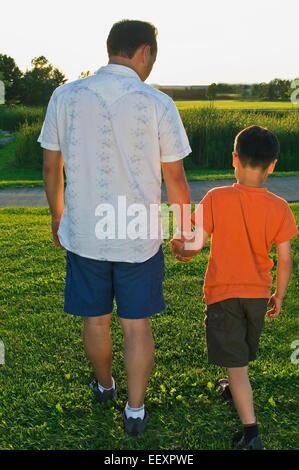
{"x": 127, "y": 36}
{"x": 256, "y": 146}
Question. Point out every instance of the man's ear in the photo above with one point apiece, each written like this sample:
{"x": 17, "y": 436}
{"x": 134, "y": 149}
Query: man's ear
{"x": 146, "y": 53}
{"x": 271, "y": 167}
{"x": 236, "y": 160}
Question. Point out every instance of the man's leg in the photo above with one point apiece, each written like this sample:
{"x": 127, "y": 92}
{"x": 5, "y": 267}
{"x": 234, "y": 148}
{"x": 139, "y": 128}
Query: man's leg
{"x": 98, "y": 347}
{"x": 139, "y": 358}
{"x": 242, "y": 394}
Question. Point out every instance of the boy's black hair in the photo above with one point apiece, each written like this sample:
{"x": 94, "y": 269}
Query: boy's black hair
{"x": 256, "y": 146}
{"x": 127, "y": 36}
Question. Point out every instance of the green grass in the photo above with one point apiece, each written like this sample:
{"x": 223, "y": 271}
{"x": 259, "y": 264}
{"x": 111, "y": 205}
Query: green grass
{"x": 44, "y": 399}
{"x": 12, "y": 176}
{"x": 11, "y": 117}
{"x": 211, "y": 133}
{"x": 239, "y": 104}
{"x": 201, "y": 174}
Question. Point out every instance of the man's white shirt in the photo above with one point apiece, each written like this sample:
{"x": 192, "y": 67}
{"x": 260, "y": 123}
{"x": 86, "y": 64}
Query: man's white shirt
{"x": 113, "y": 131}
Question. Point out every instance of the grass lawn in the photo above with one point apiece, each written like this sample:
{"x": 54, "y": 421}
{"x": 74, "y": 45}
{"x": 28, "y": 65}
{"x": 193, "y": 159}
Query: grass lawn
{"x": 239, "y": 104}
{"x": 202, "y": 174}
{"x": 44, "y": 399}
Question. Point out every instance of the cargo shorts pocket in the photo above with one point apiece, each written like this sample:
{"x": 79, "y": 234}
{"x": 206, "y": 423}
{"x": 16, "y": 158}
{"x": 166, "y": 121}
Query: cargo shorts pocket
{"x": 215, "y": 317}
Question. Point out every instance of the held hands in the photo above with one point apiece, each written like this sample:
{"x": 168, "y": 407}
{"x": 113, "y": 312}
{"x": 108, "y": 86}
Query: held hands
{"x": 276, "y": 303}
{"x": 177, "y": 248}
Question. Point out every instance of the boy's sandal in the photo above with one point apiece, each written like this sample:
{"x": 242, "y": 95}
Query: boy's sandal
{"x": 225, "y": 391}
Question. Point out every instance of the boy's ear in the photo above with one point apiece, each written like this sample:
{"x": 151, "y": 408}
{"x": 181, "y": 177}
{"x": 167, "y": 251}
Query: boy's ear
{"x": 235, "y": 160}
{"x": 271, "y": 167}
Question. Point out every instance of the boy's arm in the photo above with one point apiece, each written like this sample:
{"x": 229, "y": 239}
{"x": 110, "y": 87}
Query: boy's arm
{"x": 283, "y": 273}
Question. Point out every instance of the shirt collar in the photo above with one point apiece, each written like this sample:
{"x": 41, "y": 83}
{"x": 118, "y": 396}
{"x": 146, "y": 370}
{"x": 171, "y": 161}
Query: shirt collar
{"x": 119, "y": 70}
{"x": 249, "y": 188}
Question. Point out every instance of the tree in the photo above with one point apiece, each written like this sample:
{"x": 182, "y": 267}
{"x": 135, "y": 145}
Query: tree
{"x": 84, "y": 74}
{"x": 279, "y": 89}
{"x": 211, "y": 91}
{"x": 11, "y": 75}
{"x": 263, "y": 90}
{"x": 39, "y": 83}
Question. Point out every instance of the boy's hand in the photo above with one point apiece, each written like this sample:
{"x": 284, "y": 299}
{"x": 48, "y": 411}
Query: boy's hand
{"x": 276, "y": 303}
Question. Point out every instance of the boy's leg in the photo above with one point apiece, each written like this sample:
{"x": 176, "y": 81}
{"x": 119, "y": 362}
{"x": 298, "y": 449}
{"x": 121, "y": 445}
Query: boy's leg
{"x": 243, "y": 399}
{"x": 242, "y": 394}
{"x": 138, "y": 357}
{"x": 98, "y": 347}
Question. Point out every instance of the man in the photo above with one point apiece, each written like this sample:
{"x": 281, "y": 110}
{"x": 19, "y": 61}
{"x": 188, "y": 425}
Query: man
{"x": 112, "y": 133}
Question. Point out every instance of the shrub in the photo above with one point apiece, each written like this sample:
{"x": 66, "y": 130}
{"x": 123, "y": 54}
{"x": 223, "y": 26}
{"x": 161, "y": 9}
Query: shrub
{"x": 28, "y": 151}
{"x": 12, "y": 117}
{"x": 212, "y": 132}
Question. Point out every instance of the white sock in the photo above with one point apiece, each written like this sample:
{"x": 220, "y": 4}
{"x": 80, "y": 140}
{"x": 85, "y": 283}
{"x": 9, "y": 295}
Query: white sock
{"x": 134, "y": 412}
{"x": 102, "y": 389}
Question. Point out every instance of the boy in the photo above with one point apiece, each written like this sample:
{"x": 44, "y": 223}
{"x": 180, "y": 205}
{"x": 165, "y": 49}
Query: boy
{"x": 244, "y": 220}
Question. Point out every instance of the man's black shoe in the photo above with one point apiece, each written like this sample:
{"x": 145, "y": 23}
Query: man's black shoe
{"x": 135, "y": 426}
{"x": 104, "y": 396}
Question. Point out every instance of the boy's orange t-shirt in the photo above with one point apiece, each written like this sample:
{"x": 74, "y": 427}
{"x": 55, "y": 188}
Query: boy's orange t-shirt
{"x": 244, "y": 222}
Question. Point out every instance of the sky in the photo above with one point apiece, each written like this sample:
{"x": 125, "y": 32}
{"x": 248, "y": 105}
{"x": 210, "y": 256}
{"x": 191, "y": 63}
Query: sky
{"x": 199, "y": 41}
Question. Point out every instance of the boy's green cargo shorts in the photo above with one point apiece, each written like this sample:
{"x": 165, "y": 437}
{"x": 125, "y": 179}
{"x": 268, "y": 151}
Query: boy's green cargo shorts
{"x": 233, "y": 330}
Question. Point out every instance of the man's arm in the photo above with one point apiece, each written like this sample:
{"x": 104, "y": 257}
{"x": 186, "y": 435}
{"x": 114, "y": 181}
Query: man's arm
{"x": 178, "y": 192}
{"x": 178, "y": 195}
{"x": 283, "y": 274}
{"x": 54, "y": 187}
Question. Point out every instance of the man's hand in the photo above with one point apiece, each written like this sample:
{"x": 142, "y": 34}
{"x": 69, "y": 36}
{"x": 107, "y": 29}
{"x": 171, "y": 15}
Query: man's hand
{"x": 276, "y": 303}
{"x": 177, "y": 248}
{"x": 55, "y": 227}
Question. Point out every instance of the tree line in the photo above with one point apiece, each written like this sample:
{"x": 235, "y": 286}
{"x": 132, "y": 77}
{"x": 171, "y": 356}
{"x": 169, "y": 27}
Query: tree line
{"x": 34, "y": 87}
{"x": 276, "y": 89}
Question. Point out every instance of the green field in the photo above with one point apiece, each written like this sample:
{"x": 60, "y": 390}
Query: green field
{"x": 211, "y": 132}
{"x": 13, "y": 176}
{"x": 239, "y": 104}
{"x": 44, "y": 399}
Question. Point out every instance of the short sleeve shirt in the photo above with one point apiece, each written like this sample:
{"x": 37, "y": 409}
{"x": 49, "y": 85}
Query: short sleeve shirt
{"x": 244, "y": 222}
{"x": 113, "y": 131}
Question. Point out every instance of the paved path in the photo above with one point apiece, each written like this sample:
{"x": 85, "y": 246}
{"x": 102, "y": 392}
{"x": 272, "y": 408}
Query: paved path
{"x": 284, "y": 186}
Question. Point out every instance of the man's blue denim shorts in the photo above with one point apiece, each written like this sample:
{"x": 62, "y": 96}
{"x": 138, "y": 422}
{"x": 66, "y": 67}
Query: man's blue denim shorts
{"x": 91, "y": 286}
